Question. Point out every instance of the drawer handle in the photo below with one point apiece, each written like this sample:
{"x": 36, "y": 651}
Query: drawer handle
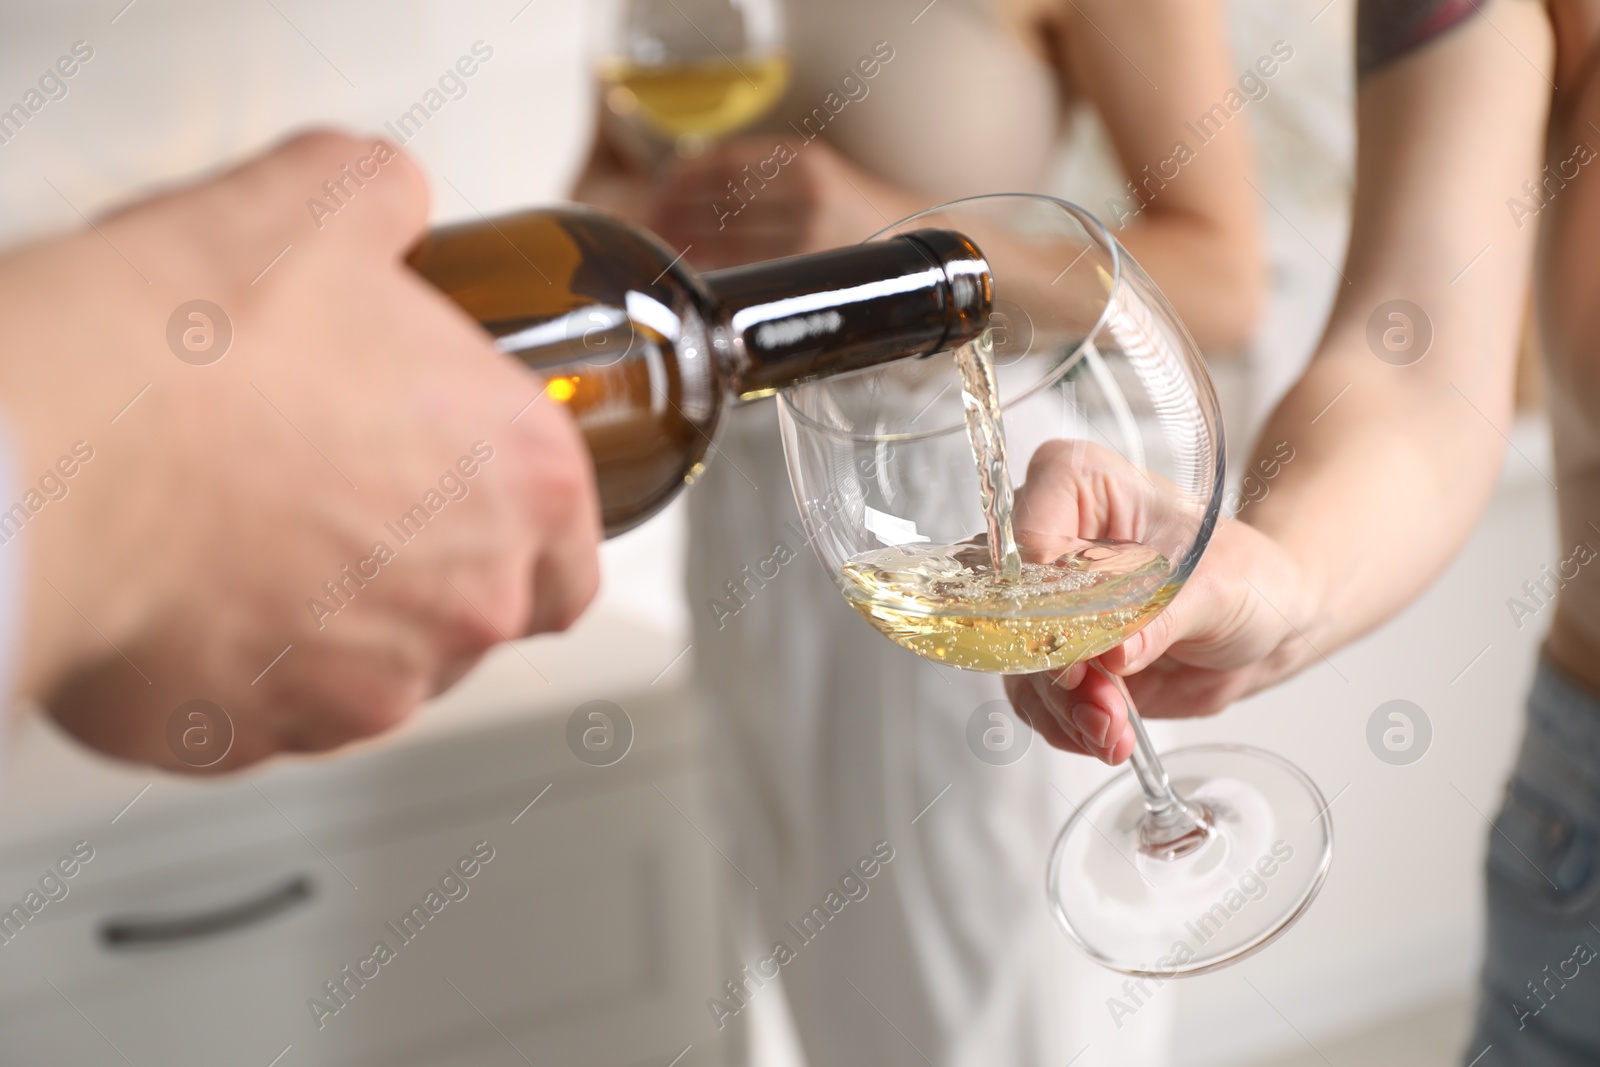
{"x": 127, "y": 933}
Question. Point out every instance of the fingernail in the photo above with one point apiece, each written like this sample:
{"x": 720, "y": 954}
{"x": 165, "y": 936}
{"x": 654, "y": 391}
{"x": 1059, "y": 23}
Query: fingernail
{"x": 1132, "y": 647}
{"x": 1093, "y": 722}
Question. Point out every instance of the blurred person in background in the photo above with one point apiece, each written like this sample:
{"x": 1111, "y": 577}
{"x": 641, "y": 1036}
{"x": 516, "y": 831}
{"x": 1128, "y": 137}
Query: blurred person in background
{"x": 828, "y": 738}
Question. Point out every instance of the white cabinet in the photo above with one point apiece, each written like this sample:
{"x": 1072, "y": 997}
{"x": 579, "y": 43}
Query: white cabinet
{"x": 203, "y": 926}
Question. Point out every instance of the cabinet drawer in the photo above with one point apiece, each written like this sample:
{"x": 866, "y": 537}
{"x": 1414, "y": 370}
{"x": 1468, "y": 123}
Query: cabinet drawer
{"x": 589, "y": 936}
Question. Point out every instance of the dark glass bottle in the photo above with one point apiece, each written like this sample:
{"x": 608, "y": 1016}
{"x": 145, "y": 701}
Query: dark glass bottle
{"x": 645, "y": 352}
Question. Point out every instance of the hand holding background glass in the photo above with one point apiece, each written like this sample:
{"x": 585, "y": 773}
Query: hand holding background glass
{"x": 1107, "y": 407}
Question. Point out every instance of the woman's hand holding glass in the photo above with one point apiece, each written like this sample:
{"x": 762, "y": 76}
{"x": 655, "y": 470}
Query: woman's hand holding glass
{"x": 1237, "y": 626}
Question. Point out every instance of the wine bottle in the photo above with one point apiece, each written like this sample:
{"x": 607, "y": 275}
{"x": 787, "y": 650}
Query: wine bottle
{"x": 646, "y": 353}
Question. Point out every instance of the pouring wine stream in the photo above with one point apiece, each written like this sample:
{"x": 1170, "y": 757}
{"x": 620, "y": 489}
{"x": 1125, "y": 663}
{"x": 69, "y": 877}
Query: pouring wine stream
{"x": 1171, "y": 828}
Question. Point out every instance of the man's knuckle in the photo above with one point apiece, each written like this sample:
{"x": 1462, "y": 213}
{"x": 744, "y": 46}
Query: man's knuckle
{"x": 567, "y": 613}
{"x": 566, "y": 486}
{"x": 378, "y": 710}
{"x": 402, "y": 186}
{"x": 320, "y": 149}
{"x": 495, "y": 618}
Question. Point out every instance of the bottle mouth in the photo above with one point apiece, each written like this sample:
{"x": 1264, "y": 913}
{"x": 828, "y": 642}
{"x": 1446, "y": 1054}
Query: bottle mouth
{"x": 969, "y": 282}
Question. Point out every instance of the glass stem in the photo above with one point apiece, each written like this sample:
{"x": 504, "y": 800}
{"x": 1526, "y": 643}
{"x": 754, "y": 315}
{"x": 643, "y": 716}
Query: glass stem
{"x": 1158, "y": 794}
{"x": 1171, "y": 827}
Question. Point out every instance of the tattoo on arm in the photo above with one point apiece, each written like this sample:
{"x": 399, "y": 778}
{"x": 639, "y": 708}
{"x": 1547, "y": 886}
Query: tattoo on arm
{"x": 1389, "y": 29}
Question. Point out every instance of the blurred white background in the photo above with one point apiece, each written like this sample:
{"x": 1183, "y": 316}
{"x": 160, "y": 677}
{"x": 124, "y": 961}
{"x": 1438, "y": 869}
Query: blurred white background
{"x": 1393, "y": 942}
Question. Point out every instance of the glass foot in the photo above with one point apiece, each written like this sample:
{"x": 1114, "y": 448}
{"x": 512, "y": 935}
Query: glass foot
{"x": 1258, "y": 852}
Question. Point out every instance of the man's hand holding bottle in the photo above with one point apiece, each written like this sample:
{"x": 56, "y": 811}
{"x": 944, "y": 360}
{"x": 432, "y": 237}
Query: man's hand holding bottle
{"x": 314, "y": 505}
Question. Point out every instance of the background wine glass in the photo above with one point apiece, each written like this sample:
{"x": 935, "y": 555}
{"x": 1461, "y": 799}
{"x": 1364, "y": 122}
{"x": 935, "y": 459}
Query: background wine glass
{"x": 688, "y": 73}
{"x": 1114, "y": 439}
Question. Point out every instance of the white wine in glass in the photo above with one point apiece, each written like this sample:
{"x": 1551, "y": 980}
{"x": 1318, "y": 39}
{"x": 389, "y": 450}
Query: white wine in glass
{"x": 949, "y": 604}
{"x": 1088, "y": 383}
{"x": 982, "y": 607}
{"x": 689, "y": 73}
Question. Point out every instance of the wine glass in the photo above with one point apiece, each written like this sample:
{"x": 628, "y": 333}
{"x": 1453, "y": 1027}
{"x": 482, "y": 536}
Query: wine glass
{"x": 1108, "y": 423}
{"x": 688, "y": 73}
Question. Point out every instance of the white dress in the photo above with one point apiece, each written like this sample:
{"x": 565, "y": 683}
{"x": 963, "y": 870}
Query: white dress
{"x": 831, "y": 739}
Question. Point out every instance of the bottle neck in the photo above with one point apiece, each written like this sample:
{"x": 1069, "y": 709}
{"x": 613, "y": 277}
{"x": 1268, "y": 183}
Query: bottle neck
{"x": 794, "y": 320}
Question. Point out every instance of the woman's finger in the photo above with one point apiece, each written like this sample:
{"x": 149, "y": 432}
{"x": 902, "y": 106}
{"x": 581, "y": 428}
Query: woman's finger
{"x": 1032, "y": 709}
{"x": 1094, "y": 713}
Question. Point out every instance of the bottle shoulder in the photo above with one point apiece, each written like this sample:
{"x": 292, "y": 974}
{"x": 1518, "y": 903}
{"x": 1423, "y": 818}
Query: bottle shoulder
{"x": 511, "y": 272}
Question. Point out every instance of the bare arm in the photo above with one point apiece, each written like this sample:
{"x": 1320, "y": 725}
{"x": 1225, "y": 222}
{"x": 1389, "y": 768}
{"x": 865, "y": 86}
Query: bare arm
{"x": 1392, "y": 464}
{"x": 1388, "y": 482}
{"x": 1150, "y": 70}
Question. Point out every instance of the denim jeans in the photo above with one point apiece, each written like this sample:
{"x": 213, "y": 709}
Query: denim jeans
{"x": 1540, "y": 1004}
